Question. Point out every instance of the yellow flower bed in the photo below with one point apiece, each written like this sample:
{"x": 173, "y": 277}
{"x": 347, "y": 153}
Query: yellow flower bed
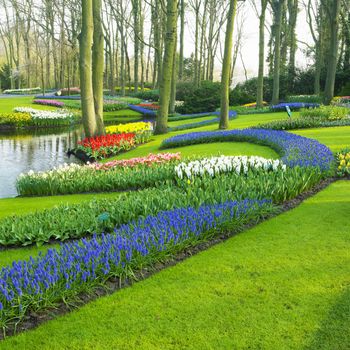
{"x": 17, "y": 119}
{"x": 253, "y": 104}
{"x": 343, "y": 160}
{"x": 136, "y": 128}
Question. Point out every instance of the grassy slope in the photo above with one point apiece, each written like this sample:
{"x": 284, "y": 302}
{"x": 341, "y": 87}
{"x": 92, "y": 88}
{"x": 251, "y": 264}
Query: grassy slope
{"x": 281, "y": 285}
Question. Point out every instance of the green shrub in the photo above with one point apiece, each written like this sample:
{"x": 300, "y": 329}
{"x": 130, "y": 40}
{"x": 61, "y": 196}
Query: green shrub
{"x": 149, "y": 95}
{"x": 325, "y": 113}
{"x": 206, "y": 98}
{"x": 305, "y": 99}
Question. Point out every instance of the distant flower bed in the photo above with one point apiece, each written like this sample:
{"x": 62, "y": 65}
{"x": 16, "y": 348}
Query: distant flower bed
{"x": 294, "y": 106}
{"x": 343, "y": 162}
{"x": 53, "y": 103}
{"x": 28, "y": 91}
{"x": 342, "y": 101}
{"x": 131, "y": 89}
{"x": 142, "y": 110}
{"x": 68, "y": 92}
{"x": 253, "y": 104}
{"x": 151, "y": 106}
{"x": 108, "y": 105}
{"x": 37, "y": 114}
{"x": 100, "y": 147}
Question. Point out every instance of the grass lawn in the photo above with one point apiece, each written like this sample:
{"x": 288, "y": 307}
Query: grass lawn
{"x": 8, "y": 104}
{"x": 281, "y": 285}
{"x": 190, "y": 121}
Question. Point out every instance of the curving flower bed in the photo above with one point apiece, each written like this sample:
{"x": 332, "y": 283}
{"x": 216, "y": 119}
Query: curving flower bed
{"x": 294, "y": 106}
{"x": 79, "y": 266}
{"x": 145, "y": 111}
{"x": 117, "y": 175}
{"x": 53, "y": 103}
{"x": 40, "y": 116}
{"x": 294, "y": 149}
{"x": 151, "y": 106}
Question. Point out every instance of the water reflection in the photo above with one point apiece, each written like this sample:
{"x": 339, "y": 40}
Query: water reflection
{"x": 37, "y": 150}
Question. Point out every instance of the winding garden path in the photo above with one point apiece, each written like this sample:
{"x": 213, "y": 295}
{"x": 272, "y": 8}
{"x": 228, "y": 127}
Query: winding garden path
{"x": 281, "y": 285}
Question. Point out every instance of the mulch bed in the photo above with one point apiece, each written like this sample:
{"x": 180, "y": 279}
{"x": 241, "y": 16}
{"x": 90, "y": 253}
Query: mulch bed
{"x": 33, "y": 320}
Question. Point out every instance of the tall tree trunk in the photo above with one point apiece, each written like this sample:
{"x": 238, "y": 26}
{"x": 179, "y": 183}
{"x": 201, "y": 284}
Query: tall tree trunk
{"x": 333, "y": 10}
{"x": 226, "y": 66}
{"x": 293, "y": 16}
{"x": 277, "y": 8}
{"x": 196, "y": 50}
{"x": 173, "y": 82}
{"x": 167, "y": 70}
{"x": 260, "y": 84}
{"x": 98, "y": 65}
{"x": 87, "y": 97}
{"x": 182, "y": 39}
{"x": 136, "y": 15}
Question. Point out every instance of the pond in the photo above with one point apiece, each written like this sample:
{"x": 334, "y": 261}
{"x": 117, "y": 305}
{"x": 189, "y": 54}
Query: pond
{"x": 39, "y": 150}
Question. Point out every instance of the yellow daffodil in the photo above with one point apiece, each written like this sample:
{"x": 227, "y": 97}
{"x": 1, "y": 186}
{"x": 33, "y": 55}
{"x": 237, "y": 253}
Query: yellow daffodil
{"x": 129, "y": 128}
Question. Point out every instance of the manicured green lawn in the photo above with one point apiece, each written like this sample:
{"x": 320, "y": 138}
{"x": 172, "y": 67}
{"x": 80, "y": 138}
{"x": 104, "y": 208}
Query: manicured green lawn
{"x": 281, "y": 285}
{"x": 190, "y": 121}
{"x": 226, "y": 148}
{"x": 8, "y": 104}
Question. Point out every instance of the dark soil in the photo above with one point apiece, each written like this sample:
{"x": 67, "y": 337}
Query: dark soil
{"x": 33, "y": 320}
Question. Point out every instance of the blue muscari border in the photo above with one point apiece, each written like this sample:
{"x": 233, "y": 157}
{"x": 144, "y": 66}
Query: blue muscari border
{"x": 86, "y": 262}
{"x": 295, "y": 150}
